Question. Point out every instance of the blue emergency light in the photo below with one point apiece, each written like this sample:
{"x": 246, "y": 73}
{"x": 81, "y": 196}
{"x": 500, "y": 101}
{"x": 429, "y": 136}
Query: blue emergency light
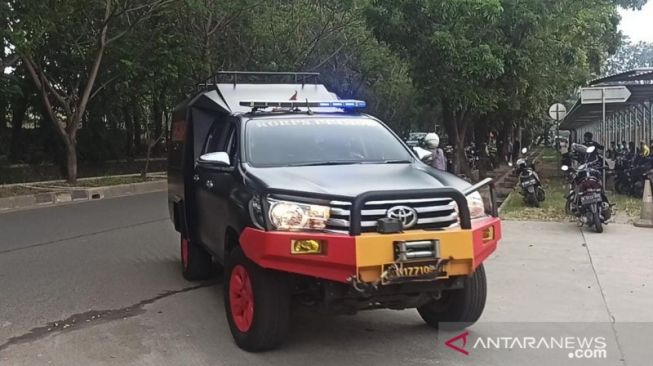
{"x": 347, "y": 104}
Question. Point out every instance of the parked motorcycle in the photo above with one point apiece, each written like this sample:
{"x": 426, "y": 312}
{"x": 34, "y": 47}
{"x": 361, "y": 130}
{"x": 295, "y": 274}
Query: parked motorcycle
{"x": 531, "y": 187}
{"x": 630, "y": 173}
{"x": 586, "y": 198}
{"x": 471, "y": 155}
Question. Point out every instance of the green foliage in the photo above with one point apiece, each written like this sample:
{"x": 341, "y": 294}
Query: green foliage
{"x": 630, "y": 56}
{"x": 465, "y": 64}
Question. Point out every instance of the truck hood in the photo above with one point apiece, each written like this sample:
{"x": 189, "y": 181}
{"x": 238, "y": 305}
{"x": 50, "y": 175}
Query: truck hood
{"x": 352, "y": 180}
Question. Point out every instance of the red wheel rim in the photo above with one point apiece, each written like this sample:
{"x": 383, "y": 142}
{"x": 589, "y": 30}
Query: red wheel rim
{"x": 184, "y": 252}
{"x": 241, "y": 298}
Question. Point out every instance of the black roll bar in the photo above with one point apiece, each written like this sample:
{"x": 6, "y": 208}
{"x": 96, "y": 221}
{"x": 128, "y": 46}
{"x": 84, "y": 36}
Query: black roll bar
{"x": 358, "y": 202}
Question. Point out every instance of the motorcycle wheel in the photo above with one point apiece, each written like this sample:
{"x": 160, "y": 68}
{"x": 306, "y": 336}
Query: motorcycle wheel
{"x": 541, "y": 194}
{"x": 619, "y": 187}
{"x": 598, "y": 225}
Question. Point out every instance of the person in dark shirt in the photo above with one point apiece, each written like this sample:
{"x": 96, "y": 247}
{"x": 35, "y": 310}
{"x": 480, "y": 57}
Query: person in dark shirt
{"x": 588, "y": 140}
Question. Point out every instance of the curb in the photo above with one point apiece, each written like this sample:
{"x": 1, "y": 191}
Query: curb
{"x": 80, "y": 195}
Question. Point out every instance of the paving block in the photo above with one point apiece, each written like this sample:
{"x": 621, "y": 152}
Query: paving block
{"x": 44, "y": 198}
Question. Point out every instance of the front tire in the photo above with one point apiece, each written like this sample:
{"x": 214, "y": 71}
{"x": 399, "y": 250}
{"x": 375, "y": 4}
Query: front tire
{"x": 257, "y": 304}
{"x": 462, "y": 307}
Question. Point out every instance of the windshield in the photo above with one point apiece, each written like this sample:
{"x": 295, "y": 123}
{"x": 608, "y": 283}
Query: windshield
{"x": 321, "y": 141}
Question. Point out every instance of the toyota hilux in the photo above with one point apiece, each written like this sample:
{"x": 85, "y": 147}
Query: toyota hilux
{"x": 301, "y": 198}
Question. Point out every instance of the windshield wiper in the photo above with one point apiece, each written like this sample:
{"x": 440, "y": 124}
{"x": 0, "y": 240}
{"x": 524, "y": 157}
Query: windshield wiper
{"x": 389, "y": 161}
{"x": 350, "y": 162}
{"x": 332, "y": 162}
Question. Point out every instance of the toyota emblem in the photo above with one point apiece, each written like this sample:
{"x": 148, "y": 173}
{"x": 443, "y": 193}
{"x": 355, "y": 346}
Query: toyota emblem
{"x": 407, "y": 215}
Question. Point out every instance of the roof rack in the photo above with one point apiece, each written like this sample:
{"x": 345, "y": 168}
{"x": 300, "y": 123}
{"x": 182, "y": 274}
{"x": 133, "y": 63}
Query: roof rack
{"x": 297, "y": 77}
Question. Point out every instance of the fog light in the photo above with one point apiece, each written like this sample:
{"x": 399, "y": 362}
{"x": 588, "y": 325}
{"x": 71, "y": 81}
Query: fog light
{"x": 310, "y": 246}
{"x": 488, "y": 233}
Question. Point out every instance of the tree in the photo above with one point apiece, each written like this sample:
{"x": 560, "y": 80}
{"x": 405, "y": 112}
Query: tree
{"x": 65, "y": 65}
{"x": 495, "y": 63}
{"x": 454, "y": 52}
{"x": 630, "y": 56}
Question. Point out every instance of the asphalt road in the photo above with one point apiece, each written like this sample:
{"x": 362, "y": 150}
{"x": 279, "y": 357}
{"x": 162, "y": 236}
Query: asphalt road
{"x": 99, "y": 283}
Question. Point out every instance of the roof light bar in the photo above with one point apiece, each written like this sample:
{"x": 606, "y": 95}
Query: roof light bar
{"x": 345, "y": 104}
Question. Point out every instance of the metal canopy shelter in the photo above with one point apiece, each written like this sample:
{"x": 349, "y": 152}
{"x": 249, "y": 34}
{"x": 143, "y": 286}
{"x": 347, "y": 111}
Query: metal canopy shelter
{"x": 630, "y": 121}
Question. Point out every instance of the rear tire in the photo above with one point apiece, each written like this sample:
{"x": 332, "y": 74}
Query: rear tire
{"x": 462, "y": 307}
{"x": 257, "y": 304}
{"x": 619, "y": 187}
{"x": 541, "y": 194}
{"x": 598, "y": 225}
{"x": 531, "y": 200}
{"x": 195, "y": 261}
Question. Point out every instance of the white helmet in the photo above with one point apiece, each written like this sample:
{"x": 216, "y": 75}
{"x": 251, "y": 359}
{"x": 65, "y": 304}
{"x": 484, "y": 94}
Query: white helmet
{"x": 432, "y": 140}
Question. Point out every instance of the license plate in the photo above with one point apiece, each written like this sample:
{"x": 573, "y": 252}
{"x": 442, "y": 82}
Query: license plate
{"x": 403, "y": 271}
{"x": 528, "y": 183}
{"x": 590, "y": 198}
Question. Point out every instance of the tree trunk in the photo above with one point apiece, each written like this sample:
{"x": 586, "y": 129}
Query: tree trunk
{"x": 138, "y": 143}
{"x": 3, "y": 120}
{"x": 129, "y": 127}
{"x": 150, "y": 145}
{"x": 158, "y": 120}
{"x": 18, "y": 116}
{"x": 71, "y": 162}
{"x": 455, "y": 124}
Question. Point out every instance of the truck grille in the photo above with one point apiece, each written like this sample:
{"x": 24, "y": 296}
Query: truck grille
{"x": 432, "y": 213}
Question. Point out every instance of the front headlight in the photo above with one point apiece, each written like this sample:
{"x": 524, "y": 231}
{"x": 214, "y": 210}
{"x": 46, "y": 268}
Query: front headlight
{"x": 476, "y": 206}
{"x": 286, "y": 215}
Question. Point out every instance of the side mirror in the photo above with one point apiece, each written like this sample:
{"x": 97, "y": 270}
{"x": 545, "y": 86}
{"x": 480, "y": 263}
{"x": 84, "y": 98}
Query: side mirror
{"x": 591, "y": 149}
{"x": 524, "y": 150}
{"x": 421, "y": 153}
{"x": 564, "y": 168}
{"x": 220, "y": 158}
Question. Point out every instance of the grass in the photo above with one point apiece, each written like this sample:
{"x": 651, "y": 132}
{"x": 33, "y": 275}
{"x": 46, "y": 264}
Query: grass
{"x": 552, "y": 209}
{"x": 631, "y": 206}
{"x": 549, "y": 155}
{"x": 82, "y": 183}
{"x": 110, "y": 181}
{"x": 16, "y": 191}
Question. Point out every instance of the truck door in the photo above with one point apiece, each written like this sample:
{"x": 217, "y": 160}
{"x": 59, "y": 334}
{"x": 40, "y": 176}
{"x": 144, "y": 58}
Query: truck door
{"x": 214, "y": 185}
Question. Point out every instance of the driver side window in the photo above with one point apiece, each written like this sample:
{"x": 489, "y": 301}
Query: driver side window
{"x": 223, "y": 137}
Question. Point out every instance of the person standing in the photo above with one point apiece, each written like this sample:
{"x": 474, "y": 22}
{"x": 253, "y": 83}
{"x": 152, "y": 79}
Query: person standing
{"x": 644, "y": 150}
{"x": 439, "y": 161}
{"x": 516, "y": 149}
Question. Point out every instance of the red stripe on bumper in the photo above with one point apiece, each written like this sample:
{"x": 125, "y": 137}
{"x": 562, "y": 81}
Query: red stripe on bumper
{"x": 482, "y": 249}
{"x": 271, "y": 249}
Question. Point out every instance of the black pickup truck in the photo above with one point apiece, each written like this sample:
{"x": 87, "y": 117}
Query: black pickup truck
{"x": 302, "y": 198}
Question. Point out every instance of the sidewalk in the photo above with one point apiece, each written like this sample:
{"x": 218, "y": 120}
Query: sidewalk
{"x": 37, "y": 194}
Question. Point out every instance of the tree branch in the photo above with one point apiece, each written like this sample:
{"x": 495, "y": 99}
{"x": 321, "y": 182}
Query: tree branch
{"x": 9, "y": 61}
{"x": 29, "y": 64}
{"x": 104, "y": 85}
